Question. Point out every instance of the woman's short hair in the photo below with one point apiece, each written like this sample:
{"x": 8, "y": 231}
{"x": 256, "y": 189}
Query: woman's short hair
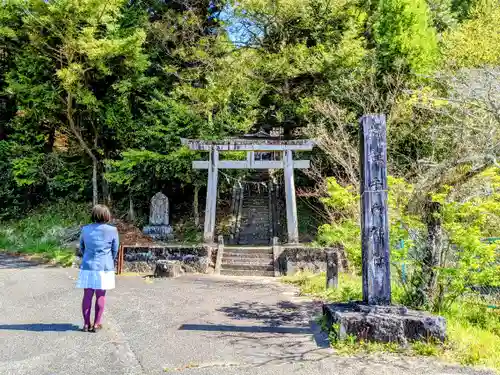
{"x": 100, "y": 214}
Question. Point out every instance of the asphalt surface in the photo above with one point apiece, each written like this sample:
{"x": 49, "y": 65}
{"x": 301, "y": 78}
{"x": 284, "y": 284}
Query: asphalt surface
{"x": 193, "y": 325}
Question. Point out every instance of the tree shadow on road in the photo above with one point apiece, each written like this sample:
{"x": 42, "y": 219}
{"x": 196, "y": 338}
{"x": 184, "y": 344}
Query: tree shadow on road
{"x": 40, "y": 327}
{"x": 12, "y": 261}
{"x": 275, "y": 315}
{"x": 272, "y": 333}
{"x": 248, "y": 329}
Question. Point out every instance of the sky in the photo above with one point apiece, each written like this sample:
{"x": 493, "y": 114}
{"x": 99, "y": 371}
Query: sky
{"x": 237, "y": 30}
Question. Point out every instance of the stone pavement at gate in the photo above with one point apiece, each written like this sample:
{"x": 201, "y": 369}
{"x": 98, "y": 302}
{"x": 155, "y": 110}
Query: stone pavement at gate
{"x": 193, "y": 325}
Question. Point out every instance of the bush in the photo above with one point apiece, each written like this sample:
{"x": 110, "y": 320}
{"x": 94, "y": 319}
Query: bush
{"x": 47, "y": 232}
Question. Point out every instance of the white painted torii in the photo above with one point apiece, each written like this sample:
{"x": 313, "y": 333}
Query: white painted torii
{"x": 250, "y": 146}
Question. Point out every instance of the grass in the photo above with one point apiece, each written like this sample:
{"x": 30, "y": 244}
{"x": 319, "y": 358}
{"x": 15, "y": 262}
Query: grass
{"x": 473, "y": 329}
{"x": 42, "y": 233}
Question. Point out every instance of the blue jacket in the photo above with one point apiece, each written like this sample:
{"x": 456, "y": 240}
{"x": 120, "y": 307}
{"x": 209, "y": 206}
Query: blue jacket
{"x": 99, "y": 244}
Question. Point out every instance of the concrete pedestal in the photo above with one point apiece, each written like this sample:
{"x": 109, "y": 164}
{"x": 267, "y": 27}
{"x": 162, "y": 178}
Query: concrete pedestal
{"x": 159, "y": 232}
{"x": 166, "y": 268}
{"x": 383, "y": 323}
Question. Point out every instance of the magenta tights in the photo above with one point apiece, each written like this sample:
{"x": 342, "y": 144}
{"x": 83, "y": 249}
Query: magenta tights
{"x": 100, "y": 299}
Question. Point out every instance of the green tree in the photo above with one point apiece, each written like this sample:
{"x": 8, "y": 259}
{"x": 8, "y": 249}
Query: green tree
{"x": 475, "y": 42}
{"x": 77, "y": 54}
{"x": 403, "y": 35}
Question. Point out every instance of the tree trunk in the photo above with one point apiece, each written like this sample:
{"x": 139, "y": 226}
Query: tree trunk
{"x": 131, "y": 211}
{"x": 95, "y": 195}
{"x": 49, "y": 145}
{"x": 75, "y": 129}
{"x": 433, "y": 251}
{"x": 106, "y": 194}
{"x": 196, "y": 211}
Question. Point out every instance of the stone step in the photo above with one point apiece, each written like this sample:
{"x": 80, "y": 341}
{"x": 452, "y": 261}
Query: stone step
{"x": 248, "y": 250}
{"x": 256, "y": 261}
{"x": 247, "y": 273}
{"x": 250, "y": 235}
{"x": 248, "y": 267}
{"x": 249, "y": 239}
{"x": 253, "y": 240}
{"x": 255, "y": 228}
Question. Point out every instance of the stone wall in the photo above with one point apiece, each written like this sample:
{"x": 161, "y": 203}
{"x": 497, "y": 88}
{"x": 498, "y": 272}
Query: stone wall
{"x": 194, "y": 259}
{"x": 299, "y": 259}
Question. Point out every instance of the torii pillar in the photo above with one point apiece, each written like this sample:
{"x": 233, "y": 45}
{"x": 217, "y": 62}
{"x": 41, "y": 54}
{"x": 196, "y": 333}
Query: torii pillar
{"x": 291, "y": 203}
{"x": 211, "y": 205}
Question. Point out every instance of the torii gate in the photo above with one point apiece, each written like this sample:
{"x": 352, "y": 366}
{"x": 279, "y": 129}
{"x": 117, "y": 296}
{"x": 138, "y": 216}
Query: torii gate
{"x": 250, "y": 146}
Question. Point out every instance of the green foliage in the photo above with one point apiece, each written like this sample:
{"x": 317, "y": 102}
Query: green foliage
{"x": 473, "y": 44}
{"x": 310, "y": 284}
{"x": 46, "y": 232}
{"x": 345, "y": 230}
{"x": 442, "y": 14}
{"x": 346, "y": 233}
{"x": 467, "y": 223}
{"x": 341, "y": 199}
{"x": 402, "y": 33}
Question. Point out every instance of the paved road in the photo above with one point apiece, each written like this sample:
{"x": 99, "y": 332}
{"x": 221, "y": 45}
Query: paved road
{"x": 193, "y": 325}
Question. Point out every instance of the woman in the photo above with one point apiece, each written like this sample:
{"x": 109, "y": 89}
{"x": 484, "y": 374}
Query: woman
{"x": 99, "y": 244}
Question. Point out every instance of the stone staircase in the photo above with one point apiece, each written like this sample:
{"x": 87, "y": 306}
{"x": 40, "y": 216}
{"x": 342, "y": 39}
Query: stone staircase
{"x": 255, "y": 221}
{"x": 247, "y": 261}
{"x": 250, "y": 252}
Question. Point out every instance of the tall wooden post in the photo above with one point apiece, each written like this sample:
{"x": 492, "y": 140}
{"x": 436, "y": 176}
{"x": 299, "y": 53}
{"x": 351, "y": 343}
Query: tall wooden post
{"x": 211, "y": 205}
{"x": 291, "y": 205}
{"x": 374, "y": 219}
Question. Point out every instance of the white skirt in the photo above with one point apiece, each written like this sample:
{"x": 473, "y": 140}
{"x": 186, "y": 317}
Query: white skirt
{"x": 96, "y": 279}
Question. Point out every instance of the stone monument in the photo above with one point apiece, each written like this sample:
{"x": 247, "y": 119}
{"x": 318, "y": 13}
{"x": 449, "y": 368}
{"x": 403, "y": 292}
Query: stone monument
{"x": 374, "y": 318}
{"x": 159, "y": 224}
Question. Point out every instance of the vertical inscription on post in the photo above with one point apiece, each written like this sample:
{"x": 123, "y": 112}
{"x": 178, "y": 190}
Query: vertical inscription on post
{"x": 374, "y": 220}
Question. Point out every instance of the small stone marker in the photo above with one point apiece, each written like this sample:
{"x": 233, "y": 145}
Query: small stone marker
{"x": 168, "y": 268}
{"x": 159, "y": 212}
{"x": 332, "y": 269}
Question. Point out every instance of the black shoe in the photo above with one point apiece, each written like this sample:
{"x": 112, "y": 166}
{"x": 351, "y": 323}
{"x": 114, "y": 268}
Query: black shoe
{"x": 96, "y": 328}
